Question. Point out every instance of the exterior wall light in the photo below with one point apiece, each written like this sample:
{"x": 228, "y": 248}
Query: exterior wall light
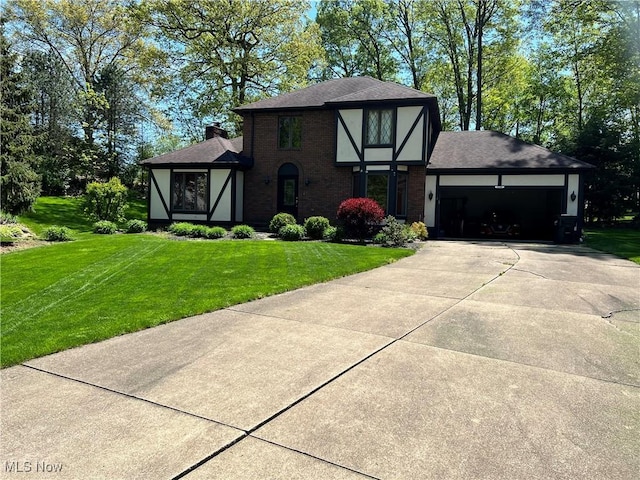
{"x": 307, "y": 182}
{"x": 430, "y": 195}
{"x": 267, "y": 179}
{"x": 573, "y": 196}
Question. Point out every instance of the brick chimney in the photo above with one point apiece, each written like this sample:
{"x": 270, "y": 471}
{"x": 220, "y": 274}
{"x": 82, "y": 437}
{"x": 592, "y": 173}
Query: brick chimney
{"x": 215, "y": 130}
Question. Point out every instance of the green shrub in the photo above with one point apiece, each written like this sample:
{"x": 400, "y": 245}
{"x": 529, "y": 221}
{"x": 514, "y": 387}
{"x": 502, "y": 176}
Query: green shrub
{"x": 291, "y": 233}
{"x": 7, "y": 218}
{"x": 181, "y": 229}
{"x": 279, "y": 220}
{"x": 315, "y": 227}
{"x": 106, "y": 201}
{"x": 393, "y": 233}
{"x": 136, "y": 226}
{"x": 199, "y": 231}
{"x": 10, "y": 232}
{"x": 242, "y": 231}
{"x": 332, "y": 234}
{"x": 420, "y": 230}
{"x": 105, "y": 227}
{"x": 57, "y": 234}
{"x": 215, "y": 232}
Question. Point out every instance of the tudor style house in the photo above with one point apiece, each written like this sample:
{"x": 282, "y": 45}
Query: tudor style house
{"x": 306, "y": 151}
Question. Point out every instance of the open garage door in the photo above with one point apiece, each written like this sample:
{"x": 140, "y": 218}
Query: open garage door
{"x": 487, "y": 212}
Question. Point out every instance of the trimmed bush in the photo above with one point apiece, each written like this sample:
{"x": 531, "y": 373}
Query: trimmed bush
{"x": 242, "y": 231}
{"x": 420, "y": 230}
{"x": 360, "y": 215}
{"x": 393, "y": 233}
{"x": 57, "y": 234}
{"x": 136, "y": 226}
{"x": 279, "y": 220}
{"x": 291, "y": 233}
{"x": 106, "y": 201}
{"x": 105, "y": 227}
{"x": 315, "y": 227}
{"x": 333, "y": 234}
{"x": 199, "y": 231}
{"x": 181, "y": 229}
{"x": 215, "y": 232}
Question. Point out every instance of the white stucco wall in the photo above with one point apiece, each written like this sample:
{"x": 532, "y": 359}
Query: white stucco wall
{"x": 430, "y": 205}
{"x": 412, "y": 150}
{"x": 468, "y": 180}
{"x": 533, "y": 180}
{"x": 217, "y": 179}
{"x": 378, "y": 154}
{"x": 163, "y": 179}
{"x": 573, "y": 185}
{"x": 344, "y": 149}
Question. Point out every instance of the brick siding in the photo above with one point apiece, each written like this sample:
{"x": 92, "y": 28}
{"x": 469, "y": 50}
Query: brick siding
{"x": 329, "y": 185}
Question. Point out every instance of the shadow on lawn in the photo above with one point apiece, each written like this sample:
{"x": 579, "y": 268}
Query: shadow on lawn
{"x": 60, "y": 211}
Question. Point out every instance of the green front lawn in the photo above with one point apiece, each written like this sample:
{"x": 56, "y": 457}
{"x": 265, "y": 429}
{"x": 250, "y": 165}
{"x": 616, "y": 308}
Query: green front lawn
{"x": 623, "y": 242}
{"x": 67, "y": 212}
{"x": 64, "y": 295}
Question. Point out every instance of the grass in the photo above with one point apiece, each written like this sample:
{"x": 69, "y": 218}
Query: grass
{"x": 65, "y": 295}
{"x": 623, "y": 242}
{"x": 67, "y": 212}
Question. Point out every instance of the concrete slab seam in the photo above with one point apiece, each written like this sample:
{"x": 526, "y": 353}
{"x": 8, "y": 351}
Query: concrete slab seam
{"x": 209, "y": 457}
{"x": 128, "y": 395}
{"x": 315, "y": 457}
{"x": 348, "y": 369}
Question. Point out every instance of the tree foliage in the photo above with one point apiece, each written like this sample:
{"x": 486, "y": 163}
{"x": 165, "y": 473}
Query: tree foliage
{"x": 19, "y": 182}
{"x": 225, "y": 54}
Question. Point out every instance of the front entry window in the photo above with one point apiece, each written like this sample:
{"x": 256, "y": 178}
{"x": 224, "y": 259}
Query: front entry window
{"x": 378, "y": 188}
{"x": 189, "y": 191}
{"x": 391, "y": 192}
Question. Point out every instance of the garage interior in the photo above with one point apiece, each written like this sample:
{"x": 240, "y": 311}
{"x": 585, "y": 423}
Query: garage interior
{"x": 522, "y": 212}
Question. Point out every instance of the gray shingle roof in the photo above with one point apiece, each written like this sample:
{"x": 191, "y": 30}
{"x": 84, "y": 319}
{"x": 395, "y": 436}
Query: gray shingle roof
{"x": 471, "y": 150}
{"x": 338, "y": 91}
{"x": 218, "y": 151}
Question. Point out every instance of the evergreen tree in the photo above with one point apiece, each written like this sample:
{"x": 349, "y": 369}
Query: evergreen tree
{"x": 19, "y": 182}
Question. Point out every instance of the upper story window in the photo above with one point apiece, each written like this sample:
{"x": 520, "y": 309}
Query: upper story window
{"x": 190, "y": 191}
{"x": 379, "y": 127}
{"x": 289, "y": 132}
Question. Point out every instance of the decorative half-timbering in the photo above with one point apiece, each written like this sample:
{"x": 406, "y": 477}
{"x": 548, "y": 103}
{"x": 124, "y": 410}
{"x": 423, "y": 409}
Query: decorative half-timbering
{"x": 306, "y": 151}
{"x": 202, "y": 183}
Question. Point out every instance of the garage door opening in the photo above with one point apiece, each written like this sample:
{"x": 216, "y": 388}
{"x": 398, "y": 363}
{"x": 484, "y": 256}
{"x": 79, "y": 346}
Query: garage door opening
{"x": 487, "y": 212}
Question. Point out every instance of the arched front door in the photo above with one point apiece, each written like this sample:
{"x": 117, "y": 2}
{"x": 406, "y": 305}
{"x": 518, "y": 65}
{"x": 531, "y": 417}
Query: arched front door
{"x": 288, "y": 189}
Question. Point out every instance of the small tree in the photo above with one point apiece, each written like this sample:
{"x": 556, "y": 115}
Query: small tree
{"x": 360, "y": 215}
{"x": 106, "y": 201}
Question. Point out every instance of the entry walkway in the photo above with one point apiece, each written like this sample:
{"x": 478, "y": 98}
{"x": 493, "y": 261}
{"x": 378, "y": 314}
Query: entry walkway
{"x": 466, "y": 360}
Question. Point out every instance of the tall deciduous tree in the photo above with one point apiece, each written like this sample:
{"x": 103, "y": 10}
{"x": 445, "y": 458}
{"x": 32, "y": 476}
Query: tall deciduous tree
{"x": 227, "y": 53}
{"x": 87, "y": 37}
{"x": 355, "y": 35}
{"x": 461, "y": 31}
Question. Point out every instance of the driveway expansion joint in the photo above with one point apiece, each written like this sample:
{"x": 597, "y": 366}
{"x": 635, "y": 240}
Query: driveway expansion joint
{"x": 128, "y": 395}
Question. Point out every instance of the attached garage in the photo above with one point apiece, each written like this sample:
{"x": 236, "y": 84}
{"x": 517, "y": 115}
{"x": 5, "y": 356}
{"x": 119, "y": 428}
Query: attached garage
{"x": 483, "y": 184}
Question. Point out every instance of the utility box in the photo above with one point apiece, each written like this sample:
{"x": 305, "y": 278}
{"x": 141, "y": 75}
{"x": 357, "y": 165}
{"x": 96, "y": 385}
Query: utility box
{"x": 566, "y": 229}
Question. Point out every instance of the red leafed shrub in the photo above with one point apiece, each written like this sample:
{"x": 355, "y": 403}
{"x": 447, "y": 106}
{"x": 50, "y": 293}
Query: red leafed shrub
{"x": 360, "y": 215}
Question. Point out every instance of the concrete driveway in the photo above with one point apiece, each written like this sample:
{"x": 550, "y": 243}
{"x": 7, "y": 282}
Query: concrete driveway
{"x": 467, "y": 360}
